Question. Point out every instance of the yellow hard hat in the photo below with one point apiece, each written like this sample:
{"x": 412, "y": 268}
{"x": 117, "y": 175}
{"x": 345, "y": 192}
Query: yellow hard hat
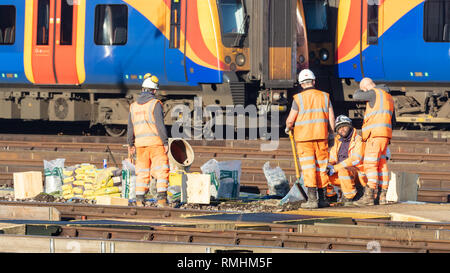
{"x": 150, "y": 82}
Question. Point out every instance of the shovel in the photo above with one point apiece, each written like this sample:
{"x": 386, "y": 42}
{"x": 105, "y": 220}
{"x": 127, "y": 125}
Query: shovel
{"x": 298, "y": 182}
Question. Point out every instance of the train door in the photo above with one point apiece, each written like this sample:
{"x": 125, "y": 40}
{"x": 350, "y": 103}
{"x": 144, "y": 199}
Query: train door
{"x": 371, "y": 46}
{"x": 175, "y": 49}
{"x": 54, "y": 41}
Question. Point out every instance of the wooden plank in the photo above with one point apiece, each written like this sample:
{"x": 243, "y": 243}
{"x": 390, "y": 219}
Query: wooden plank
{"x": 18, "y": 229}
{"x": 29, "y": 213}
{"x": 27, "y": 184}
{"x": 112, "y": 201}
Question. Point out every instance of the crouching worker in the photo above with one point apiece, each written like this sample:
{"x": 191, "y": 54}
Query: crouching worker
{"x": 147, "y": 136}
{"x": 346, "y": 160}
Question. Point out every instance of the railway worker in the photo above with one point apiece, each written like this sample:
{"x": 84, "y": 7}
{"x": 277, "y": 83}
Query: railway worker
{"x": 376, "y": 133}
{"x": 147, "y": 136}
{"x": 310, "y": 117}
{"x": 346, "y": 160}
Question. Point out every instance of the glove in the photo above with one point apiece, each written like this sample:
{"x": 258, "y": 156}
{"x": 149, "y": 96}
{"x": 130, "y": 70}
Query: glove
{"x": 388, "y": 153}
{"x": 287, "y": 130}
{"x": 330, "y": 170}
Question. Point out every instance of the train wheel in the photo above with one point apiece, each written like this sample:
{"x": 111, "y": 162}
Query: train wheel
{"x": 115, "y": 130}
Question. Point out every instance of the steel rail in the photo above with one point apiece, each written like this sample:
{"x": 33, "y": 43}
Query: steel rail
{"x": 331, "y": 241}
{"x": 89, "y": 211}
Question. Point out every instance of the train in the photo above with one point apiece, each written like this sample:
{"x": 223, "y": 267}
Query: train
{"x": 85, "y": 60}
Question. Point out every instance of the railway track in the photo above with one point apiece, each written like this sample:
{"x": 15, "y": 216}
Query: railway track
{"x": 429, "y": 157}
{"x": 166, "y": 227}
{"x": 307, "y": 237}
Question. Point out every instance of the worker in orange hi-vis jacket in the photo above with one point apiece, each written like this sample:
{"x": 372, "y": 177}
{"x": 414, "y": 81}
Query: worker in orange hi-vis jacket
{"x": 310, "y": 117}
{"x": 346, "y": 160}
{"x": 376, "y": 133}
{"x": 147, "y": 136}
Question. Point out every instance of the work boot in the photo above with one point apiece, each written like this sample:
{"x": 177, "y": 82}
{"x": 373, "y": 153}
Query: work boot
{"x": 383, "y": 200}
{"x": 161, "y": 199}
{"x": 312, "y": 203}
{"x": 323, "y": 201}
{"x": 347, "y": 202}
{"x": 140, "y": 200}
{"x": 367, "y": 199}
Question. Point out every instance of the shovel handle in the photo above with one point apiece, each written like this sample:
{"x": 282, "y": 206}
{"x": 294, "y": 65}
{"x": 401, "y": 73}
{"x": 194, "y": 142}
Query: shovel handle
{"x": 294, "y": 152}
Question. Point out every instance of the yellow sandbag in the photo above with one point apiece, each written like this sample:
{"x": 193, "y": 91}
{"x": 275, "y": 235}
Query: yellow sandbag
{"x": 66, "y": 187}
{"x": 68, "y": 196}
{"x": 78, "y": 183}
{"x": 100, "y": 191}
{"x": 68, "y": 179}
{"x": 78, "y": 190}
{"x": 78, "y": 195}
{"x": 67, "y": 192}
{"x": 88, "y": 192}
{"x": 91, "y": 172}
{"x": 110, "y": 183}
{"x": 68, "y": 173}
{"x": 88, "y": 186}
{"x": 89, "y": 180}
{"x": 80, "y": 176}
{"x": 115, "y": 194}
{"x": 112, "y": 190}
{"x": 103, "y": 176}
{"x": 79, "y": 171}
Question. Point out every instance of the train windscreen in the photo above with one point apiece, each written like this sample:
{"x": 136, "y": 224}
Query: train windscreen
{"x": 233, "y": 16}
{"x": 316, "y": 14}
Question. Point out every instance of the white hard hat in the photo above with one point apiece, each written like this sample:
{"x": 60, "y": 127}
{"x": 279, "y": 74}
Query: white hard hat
{"x": 306, "y": 75}
{"x": 150, "y": 82}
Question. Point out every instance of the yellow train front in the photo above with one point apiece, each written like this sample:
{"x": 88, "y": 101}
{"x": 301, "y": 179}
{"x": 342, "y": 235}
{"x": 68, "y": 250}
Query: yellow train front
{"x": 84, "y": 61}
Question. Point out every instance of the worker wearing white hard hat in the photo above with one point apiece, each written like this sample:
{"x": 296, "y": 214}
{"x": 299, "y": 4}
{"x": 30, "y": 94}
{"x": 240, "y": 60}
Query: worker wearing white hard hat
{"x": 310, "y": 117}
{"x": 306, "y": 75}
{"x": 147, "y": 137}
{"x": 150, "y": 83}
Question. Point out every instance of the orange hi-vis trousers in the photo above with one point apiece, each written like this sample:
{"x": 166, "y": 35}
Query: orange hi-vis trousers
{"x": 152, "y": 161}
{"x": 347, "y": 178}
{"x": 375, "y": 162}
{"x": 313, "y": 157}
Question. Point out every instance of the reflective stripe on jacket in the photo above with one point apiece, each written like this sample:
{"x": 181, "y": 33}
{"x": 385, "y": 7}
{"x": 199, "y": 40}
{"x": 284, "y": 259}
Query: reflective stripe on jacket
{"x": 144, "y": 126}
{"x": 312, "y": 117}
{"x": 378, "y": 119}
{"x": 355, "y": 152}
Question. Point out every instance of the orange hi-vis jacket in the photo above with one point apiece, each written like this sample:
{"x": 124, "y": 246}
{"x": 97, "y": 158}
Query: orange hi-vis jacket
{"x": 378, "y": 119}
{"x": 355, "y": 152}
{"x": 144, "y": 126}
{"x": 312, "y": 117}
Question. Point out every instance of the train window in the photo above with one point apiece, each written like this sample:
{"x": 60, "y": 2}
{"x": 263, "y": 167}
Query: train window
{"x": 66, "y": 23}
{"x": 7, "y": 25}
{"x": 175, "y": 24}
{"x": 316, "y": 14}
{"x": 43, "y": 22}
{"x": 372, "y": 22}
{"x": 233, "y": 16}
{"x": 436, "y": 21}
{"x": 111, "y": 24}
